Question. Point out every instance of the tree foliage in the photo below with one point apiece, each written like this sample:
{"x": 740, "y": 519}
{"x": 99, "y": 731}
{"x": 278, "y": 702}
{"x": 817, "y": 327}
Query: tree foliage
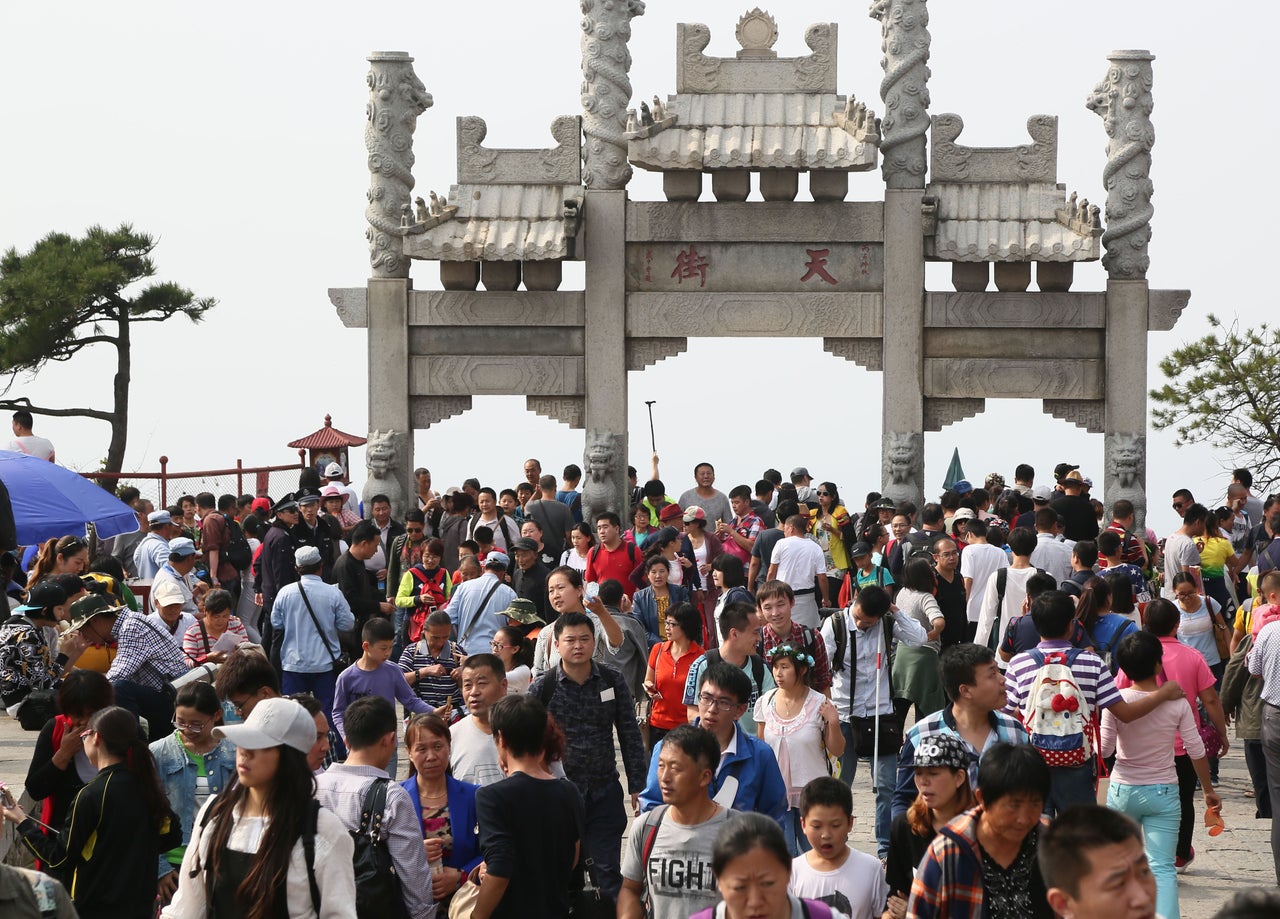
{"x": 69, "y": 293}
{"x": 1224, "y": 391}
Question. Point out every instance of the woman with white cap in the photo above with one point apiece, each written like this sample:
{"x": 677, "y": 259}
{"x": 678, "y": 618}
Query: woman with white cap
{"x": 264, "y": 848}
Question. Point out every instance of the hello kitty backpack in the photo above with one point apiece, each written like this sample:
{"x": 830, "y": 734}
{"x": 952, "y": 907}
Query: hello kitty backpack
{"x": 1056, "y": 713}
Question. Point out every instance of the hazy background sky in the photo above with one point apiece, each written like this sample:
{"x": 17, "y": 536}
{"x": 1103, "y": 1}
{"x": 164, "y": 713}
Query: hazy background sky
{"x": 234, "y": 133}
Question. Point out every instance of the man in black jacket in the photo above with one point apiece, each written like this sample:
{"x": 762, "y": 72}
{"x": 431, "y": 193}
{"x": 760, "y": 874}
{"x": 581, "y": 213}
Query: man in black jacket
{"x": 314, "y": 530}
{"x": 274, "y": 567}
{"x": 358, "y": 584}
{"x": 529, "y": 578}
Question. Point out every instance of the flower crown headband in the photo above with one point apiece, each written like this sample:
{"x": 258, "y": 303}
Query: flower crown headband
{"x": 789, "y": 650}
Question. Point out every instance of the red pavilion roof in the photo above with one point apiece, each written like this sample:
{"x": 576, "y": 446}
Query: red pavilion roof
{"x": 327, "y": 438}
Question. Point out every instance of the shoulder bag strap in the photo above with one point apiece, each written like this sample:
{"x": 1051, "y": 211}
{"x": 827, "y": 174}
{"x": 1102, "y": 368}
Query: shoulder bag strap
{"x": 312, "y": 613}
{"x": 371, "y": 809}
{"x": 506, "y": 531}
{"x": 205, "y": 635}
{"x": 309, "y": 853}
{"x": 479, "y": 612}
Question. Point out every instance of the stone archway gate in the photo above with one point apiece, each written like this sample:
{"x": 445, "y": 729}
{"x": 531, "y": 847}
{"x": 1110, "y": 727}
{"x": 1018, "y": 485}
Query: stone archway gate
{"x": 849, "y": 272}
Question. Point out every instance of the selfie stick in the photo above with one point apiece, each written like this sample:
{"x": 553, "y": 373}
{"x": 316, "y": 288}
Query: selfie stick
{"x": 875, "y": 734}
{"x": 652, "y": 440}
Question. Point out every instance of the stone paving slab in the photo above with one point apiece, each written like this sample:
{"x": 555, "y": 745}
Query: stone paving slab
{"x": 1239, "y": 858}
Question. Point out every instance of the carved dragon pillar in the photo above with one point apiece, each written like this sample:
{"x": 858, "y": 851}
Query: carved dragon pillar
{"x": 396, "y": 99}
{"x": 904, "y": 30}
{"x": 606, "y": 92}
{"x": 1123, "y": 101}
{"x": 606, "y": 89}
{"x": 905, "y": 92}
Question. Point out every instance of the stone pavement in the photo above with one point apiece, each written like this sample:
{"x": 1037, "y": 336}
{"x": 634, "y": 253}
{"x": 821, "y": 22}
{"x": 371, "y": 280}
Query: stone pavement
{"x": 1239, "y": 858}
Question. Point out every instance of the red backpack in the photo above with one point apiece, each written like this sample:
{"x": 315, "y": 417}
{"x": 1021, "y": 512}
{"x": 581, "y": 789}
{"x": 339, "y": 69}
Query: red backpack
{"x": 428, "y": 597}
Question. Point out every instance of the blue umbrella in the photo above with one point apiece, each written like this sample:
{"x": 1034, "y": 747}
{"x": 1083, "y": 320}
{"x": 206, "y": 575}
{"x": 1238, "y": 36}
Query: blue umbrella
{"x": 50, "y": 501}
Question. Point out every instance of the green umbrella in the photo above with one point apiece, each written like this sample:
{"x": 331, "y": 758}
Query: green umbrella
{"x": 954, "y": 472}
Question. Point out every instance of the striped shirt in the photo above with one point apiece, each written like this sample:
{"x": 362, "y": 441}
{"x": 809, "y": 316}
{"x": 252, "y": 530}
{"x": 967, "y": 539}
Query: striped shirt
{"x": 1092, "y": 675}
{"x": 1264, "y": 661}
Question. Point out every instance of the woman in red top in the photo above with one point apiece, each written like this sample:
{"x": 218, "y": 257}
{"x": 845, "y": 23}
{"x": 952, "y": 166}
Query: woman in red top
{"x": 669, "y": 663}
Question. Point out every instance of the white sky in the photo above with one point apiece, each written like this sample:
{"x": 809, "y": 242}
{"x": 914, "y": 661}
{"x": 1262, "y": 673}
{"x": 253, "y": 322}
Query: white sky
{"x": 234, "y": 133}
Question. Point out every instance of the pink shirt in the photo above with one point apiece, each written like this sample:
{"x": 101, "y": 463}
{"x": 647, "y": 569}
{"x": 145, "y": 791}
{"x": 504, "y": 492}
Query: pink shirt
{"x": 1185, "y": 666}
{"x": 1144, "y": 748}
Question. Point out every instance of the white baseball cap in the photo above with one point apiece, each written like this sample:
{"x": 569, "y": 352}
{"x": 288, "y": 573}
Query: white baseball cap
{"x": 272, "y": 723}
{"x": 168, "y": 593}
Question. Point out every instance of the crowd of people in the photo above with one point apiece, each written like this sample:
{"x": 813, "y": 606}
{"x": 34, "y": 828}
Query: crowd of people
{"x": 303, "y": 706}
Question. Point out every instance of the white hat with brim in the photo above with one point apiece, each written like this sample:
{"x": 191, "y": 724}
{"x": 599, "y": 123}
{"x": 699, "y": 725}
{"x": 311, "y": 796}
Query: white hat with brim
{"x": 168, "y": 593}
{"x": 273, "y": 723}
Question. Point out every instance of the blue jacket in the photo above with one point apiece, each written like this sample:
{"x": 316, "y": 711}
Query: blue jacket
{"x": 465, "y": 854}
{"x": 760, "y": 785}
{"x": 178, "y": 776}
{"x": 644, "y": 606}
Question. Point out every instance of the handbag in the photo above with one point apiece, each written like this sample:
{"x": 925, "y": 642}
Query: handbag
{"x": 464, "y": 900}
{"x": 864, "y": 737}
{"x": 341, "y": 660}
{"x": 37, "y": 708}
{"x": 1209, "y": 737}
{"x": 589, "y": 902}
{"x": 1221, "y": 634}
{"x": 377, "y": 884}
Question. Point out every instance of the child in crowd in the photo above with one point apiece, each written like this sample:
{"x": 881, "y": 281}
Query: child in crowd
{"x": 374, "y": 675}
{"x": 1144, "y": 782}
{"x": 468, "y": 548}
{"x": 849, "y": 881}
{"x": 484, "y": 542}
{"x": 1266, "y": 609}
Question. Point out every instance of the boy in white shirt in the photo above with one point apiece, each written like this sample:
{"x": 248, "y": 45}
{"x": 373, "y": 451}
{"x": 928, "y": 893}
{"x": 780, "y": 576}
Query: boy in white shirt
{"x": 848, "y": 881}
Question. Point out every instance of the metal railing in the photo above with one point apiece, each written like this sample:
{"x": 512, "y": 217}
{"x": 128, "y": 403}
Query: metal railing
{"x": 238, "y": 480}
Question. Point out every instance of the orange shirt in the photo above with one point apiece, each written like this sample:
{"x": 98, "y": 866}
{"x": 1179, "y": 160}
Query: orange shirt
{"x": 670, "y": 676}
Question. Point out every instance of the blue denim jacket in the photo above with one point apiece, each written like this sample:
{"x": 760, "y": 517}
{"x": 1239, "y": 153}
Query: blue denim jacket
{"x": 178, "y": 776}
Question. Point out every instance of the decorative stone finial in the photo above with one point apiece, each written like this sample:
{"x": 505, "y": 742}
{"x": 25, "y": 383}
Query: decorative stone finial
{"x": 606, "y": 89}
{"x": 757, "y": 34}
{"x": 904, "y": 90}
{"x": 396, "y": 99}
{"x": 1123, "y": 101}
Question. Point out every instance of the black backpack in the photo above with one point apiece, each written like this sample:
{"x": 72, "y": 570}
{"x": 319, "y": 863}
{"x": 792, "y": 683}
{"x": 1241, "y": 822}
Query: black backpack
{"x": 377, "y": 884}
{"x": 237, "y": 552}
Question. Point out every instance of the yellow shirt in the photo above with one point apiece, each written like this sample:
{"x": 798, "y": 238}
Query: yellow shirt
{"x": 1213, "y": 556}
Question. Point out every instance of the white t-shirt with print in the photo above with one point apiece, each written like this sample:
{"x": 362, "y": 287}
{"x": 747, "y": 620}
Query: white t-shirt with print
{"x": 857, "y": 888}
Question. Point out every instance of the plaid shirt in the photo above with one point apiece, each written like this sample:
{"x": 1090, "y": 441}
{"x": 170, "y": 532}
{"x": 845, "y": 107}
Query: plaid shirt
{"x": 145, "y": 655}
{"x": 949, "y": 881}
{"x": 820, "y": 675}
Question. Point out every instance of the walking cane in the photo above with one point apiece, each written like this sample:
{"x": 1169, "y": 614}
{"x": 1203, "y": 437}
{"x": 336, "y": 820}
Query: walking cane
{"x": 875, "y": 733}
{"x": 652, "y": 440}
